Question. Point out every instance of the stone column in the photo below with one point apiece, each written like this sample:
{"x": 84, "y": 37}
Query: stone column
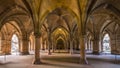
{"x": 96, "y": 43}
{"x": 67, "y": 43}
{"x": 117, "y": 43}
{"x": 91, "y": 45}
{"x": 33, "y": 45}
{"x": 82, "y": 51}
{"x": 71, "y": 46}
{"x": 43, "y": 45}
{"x": 96, "y": 46}
{"x": 77, "y": 43}
{"x": 49, "y": 44}
{"x": 37, "y": 48}
{"x": 8, "y": 47}
{"x": 3, "y": 45}
{"x": 49, "y": 47}
{"x": 25, "y": 46}
{"x": 113, "y": 44}
{"x": 30, "y": 46}
{"x": 71, "y": 43}
{"x": 20, "y": 45}
{"x": 53, "y": 46}
{"x": 87, "y": 44}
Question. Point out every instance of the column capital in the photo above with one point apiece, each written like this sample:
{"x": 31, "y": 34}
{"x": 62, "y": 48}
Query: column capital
{"x": 82, "y": 36}
{"x": 25, "y": 38}
{"x": 37, "y": 34}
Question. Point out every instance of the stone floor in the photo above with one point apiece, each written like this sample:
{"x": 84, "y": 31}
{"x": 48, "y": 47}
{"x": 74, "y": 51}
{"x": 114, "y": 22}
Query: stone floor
{"x": 59, "y": 60}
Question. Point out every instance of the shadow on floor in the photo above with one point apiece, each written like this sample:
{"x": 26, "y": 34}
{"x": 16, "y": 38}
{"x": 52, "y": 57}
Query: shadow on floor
{"x": 64, "y": 59}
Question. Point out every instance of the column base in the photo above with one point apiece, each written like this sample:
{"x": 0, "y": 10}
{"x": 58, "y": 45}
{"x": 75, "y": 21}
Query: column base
{"x": 43, "y": 49}
{"x": 71, "y": 53}
{"x": 37, "y": 61}
{"x": 83, "y": 61}
{"x": 95, "y": 53}
{"x": 24, "y": 53}
{"x": 53, "y": 51}
{"x": 49, "y": 53}
{"x": 7, "y": 53}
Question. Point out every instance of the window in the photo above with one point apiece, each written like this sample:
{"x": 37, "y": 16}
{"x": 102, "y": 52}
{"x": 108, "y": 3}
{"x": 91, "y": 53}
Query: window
{"x": 14, "y": 44}
{"x": 106, "y": 44}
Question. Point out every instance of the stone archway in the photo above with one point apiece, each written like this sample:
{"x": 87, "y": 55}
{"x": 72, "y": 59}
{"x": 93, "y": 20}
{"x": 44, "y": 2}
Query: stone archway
{"x": 106, "y": 44}
{"x": 60, "y": 45}
{"x": 14, "y": 44}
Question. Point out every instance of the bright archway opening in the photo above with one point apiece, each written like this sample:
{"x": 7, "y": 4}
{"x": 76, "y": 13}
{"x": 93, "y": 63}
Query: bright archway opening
{"x": 14, "y": 44}
{"x": 106, "y": 44}
{"x": 60, "y": 46}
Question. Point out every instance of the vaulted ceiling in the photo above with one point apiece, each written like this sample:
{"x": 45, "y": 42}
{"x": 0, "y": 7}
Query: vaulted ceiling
{"x": 51, "y": 15}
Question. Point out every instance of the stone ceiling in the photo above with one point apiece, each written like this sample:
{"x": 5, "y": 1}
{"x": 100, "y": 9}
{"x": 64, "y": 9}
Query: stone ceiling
{"x": 70, "y": 15}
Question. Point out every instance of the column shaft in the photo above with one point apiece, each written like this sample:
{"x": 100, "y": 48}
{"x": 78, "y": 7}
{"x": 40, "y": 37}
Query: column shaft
{"x": 82, "y": 51}
{"x": 95, "y": 46}
{"x": 37, "y": 50}
{"x": 24, "y": 47}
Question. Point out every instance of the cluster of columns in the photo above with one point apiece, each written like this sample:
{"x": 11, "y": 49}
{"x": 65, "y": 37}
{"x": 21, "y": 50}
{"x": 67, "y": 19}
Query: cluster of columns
{"x": 37, "y": 49}
{"x": 24, "y": 47}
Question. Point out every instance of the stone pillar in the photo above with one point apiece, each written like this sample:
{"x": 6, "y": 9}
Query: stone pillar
{"x": 20, "y": 45}
{"x": 113, "y": 44}
{"x": 87, "y": 44}
{"x": 49, "y": 43}
{"x": 49, "y": 47}
{"x": 96, "y": 46}
{"x": 8, "y": 47}
{"x": 3, "y": 45}
{"x": 30, "y": 46}
{"x": 82, "y": 51}
{"x": 71, "y": 46}
{"x": 53, "y": 46}
{"x": 96, "y": 43}
{"x": 25, "y": 46}
{"x": 117, "y": 43}
{"x": 71, "y": 43}
{"x": 37, "y": 48}
{"x": 43, "y": 45}
{"x": 78, "y": 46}
{"x": 91, "y": 45}
{"x": 67, "y": 43}
{"x": 33, "y": 44}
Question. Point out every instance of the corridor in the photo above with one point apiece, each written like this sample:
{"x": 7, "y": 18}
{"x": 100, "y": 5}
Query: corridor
{"x": 59, "y": 60}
